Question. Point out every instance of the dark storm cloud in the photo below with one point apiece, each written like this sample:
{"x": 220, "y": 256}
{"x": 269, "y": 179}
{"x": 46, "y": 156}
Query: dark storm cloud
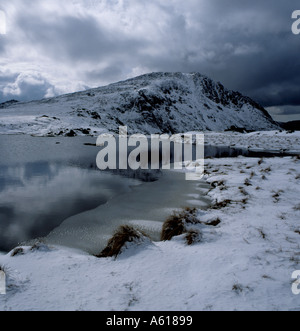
{"x": 247, "y": 45}
{"x": 76, "y": 39}
{"x": 111, "y": 73}
{"x": 286, "y": 110}
{"x": 291, "y": 111}
{"x": 285, "y": 113}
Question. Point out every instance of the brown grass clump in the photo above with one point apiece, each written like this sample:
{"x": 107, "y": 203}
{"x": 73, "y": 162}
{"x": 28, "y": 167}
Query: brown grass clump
{"x": 125, "y": 234}
{"x": 193, "y": 237}
{"x": 175, "y": 224}
{"x": 238, "y": 288}
{"x": 190, "y": 215}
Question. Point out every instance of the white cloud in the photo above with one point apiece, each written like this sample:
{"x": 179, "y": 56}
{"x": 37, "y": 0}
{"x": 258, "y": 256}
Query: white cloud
{"x": 27, "y": 87}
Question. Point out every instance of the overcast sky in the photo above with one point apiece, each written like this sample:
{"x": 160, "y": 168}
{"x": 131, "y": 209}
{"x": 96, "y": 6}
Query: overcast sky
{"x": 58, "y": 46}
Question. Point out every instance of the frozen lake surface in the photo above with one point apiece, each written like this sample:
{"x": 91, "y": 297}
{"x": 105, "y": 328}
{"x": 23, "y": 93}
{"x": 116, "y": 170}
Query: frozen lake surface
{"x": 50, "y": 187}
{"x": 43, "y": 181}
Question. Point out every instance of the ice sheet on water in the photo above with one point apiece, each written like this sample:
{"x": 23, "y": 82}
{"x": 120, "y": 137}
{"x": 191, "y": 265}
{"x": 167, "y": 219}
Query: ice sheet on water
{"x": 149, "y": 202}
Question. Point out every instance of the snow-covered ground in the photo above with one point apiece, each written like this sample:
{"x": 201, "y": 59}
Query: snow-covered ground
{"x": 245, "y": 263}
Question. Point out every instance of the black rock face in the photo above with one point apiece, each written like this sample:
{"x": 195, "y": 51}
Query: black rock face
{"x": 8, "y": 103}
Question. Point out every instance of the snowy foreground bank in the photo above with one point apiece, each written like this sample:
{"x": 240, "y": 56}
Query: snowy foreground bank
{"x": 244, "y": 263}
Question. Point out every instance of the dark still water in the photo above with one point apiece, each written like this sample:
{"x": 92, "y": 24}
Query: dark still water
{"x": 43, "y": 181}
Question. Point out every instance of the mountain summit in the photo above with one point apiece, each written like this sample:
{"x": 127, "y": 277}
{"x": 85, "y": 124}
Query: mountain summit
{"x": 152, "y": 103}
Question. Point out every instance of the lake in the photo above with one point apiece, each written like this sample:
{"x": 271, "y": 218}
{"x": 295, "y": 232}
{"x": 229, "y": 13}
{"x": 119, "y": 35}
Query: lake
{"x": 51, "y": 188}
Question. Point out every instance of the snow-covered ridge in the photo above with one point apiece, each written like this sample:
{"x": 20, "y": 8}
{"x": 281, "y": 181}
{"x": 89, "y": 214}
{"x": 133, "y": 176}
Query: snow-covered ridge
{"x": 152, "y": 103}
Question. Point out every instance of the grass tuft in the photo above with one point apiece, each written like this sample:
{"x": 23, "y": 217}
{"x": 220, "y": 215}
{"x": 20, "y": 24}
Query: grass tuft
{"x": 175, "y": 224}
{"x": 238, "y": 288}
{"x": 262, "y": 234}
{"x": 267, "y": 170}
{"x": 125, "y": 234}
{"x": 193, "y": 237}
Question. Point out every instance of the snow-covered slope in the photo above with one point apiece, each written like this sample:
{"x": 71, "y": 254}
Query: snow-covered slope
{"x": 152, "y": 103}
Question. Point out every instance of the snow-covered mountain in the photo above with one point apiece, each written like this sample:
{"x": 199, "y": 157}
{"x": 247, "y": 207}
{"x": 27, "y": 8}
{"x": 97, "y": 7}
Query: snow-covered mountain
{"x": 152, "y": 103}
